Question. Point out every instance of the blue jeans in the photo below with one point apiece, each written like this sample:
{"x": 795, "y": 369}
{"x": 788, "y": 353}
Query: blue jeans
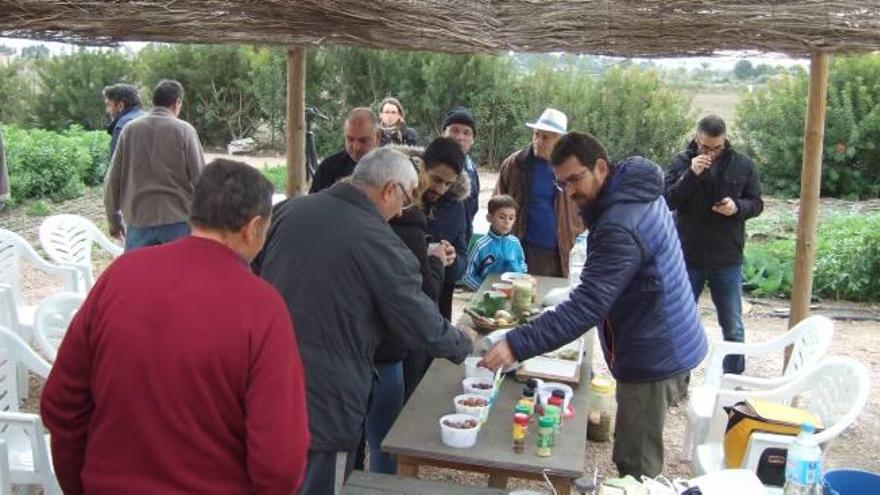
{"x": 386, "y": 406}
{"x": 138, "y": 237}
{"x": 725, "y": 285}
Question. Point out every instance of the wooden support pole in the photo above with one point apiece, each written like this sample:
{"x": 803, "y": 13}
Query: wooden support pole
{"x": 296, "y": 121}
{"x": 811, "y": 175}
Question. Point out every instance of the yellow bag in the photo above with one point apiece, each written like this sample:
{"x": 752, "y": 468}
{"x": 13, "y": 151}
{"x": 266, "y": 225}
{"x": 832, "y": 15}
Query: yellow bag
{"x": 755, "y": 415}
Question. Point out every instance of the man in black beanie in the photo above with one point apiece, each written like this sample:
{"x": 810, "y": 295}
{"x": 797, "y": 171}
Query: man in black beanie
{"x": 461, "y": 126}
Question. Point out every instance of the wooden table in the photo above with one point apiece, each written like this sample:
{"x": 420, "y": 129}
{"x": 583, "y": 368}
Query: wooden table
{"x": 415, "y": 436}
{"x": 361, "y": 483}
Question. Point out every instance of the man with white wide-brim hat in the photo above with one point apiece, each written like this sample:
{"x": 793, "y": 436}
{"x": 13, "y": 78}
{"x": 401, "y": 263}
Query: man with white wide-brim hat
{"x": 547, "y": 222}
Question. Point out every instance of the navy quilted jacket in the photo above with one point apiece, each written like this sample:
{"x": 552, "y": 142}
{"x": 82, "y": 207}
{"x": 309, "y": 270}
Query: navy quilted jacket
{"x": 634, "y": 286}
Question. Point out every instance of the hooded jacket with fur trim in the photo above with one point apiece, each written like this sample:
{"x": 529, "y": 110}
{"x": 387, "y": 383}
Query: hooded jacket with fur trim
{"x": 448, "y": 220}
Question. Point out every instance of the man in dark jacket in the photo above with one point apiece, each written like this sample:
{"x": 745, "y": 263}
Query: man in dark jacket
{"x": 634, "y": 284}
{"x": 361, "y": 134}
{"x": 461, "y": 126}
{"x": 123, "y": 104}
{"x": 714, "y": 190}
{"x": 443, "y": 202}
{"x": 350, "y": 282}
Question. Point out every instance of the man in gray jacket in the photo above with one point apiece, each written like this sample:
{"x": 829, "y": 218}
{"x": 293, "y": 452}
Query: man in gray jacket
{"x": 150, "y": 184}
{"x": 350, "y": 282}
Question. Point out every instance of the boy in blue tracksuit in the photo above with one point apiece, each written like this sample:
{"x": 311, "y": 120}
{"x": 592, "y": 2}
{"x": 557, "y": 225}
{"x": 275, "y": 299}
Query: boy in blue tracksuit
{"x": 498, "y": 251}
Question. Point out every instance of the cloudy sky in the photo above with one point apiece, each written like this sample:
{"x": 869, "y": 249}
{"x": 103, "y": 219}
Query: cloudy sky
{"x": 723, "y": 61}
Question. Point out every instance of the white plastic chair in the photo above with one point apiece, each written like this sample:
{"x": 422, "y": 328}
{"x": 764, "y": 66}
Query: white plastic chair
{"x": 14, "y": 314}
{"x": 52, "y": 319}
{"x": 810, "y": 340}
{"x": 5, "y": 489}
{"x": 29, "y": 461}
{"x": 835, "y": 390}
{"x": 67, "y": 240}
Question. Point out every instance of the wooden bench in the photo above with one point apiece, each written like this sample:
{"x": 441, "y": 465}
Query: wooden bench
{"x": 361, "y": 483}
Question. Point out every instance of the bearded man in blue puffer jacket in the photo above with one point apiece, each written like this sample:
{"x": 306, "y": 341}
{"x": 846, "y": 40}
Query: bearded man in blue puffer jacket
{"x": 634, "y": 286}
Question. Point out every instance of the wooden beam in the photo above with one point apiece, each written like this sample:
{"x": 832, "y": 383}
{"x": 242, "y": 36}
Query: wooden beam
{"x": 296, "y": 121}
{"x": 811, "y": 175}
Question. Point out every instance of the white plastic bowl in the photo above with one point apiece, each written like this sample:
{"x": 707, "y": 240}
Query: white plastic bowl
{"x": 546, "y": 390}
{"x": 474, "y": 411}
{"x": 455, "y": 437}
{"x": 471, "y": 370}
{"x": 512, "y": 276}
{"x": 467, "y": 386}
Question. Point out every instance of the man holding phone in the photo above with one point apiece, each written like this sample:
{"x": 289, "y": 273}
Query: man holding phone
{"x": 714, "y": 189}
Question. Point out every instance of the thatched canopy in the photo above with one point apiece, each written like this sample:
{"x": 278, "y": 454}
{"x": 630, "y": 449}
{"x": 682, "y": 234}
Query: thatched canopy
{"x": 622, "y": 28}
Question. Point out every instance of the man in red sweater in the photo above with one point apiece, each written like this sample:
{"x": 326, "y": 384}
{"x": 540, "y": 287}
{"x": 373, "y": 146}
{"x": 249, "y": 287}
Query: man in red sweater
{"x": 181, "y": 374}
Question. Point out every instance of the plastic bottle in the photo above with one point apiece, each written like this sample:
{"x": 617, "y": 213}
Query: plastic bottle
{"x": 520, "y": 429}
{"x": 545, "y": 436}
{"x": 576, "y": 260}
{"x": 555, "y": 413}
{"x": 601, "y": 409}
{"x": 803, "y": 466}
{"x": 557, "y": 398}
{"x": 528, "y": 396}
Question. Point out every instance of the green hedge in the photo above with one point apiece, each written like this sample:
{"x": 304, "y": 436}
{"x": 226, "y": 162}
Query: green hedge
{"x": 847, "y": 260}
{"x": 54, "y": 165}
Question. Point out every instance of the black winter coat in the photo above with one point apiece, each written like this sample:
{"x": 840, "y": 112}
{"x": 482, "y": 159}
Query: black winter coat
{"x": 349, "y": 283}
{"x": 412, "y": 228}
{"x": 332, "y": 168}
{"x": 710, "y": 240}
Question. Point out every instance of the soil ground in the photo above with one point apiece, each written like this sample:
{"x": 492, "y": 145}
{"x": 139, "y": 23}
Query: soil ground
{"x": 857, "y": 335}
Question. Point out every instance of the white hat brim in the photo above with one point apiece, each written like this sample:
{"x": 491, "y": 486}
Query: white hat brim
{"x": 541, "y": 127}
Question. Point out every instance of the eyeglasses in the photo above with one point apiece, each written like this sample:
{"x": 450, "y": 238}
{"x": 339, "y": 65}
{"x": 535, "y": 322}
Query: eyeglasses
{"x": 561, "y": 184}
{"x": 705, "y": 150}
{"x": 407, "y": 199}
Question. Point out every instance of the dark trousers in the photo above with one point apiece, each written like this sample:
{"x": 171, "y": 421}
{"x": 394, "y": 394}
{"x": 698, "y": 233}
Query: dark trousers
{"x": 543, "y": 262}
{"x": 725, "y": 286}
{"x": 638, "y": 430}
{"x": 415, "y": 365}
{"x": 445, "y": 299}
{"x": 137, "y": 237}
{"x": 326, "y": 472}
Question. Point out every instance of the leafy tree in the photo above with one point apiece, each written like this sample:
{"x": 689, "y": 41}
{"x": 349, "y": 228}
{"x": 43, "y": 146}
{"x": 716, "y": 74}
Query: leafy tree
{"x": 15, "y": 94}
{"x": 770, "y": 126}
{"x": 217, "y": 88}
{"x": 71, "y": 86}
{"x": 268, "y": 84}
{"x": 743, "y": 70}
{"x": 35, "y": 52}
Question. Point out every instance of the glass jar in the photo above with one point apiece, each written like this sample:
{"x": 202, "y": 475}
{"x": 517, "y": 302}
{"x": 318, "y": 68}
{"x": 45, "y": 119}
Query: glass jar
{"x": 600, "y": 413}
{"x": 521, "y": 297}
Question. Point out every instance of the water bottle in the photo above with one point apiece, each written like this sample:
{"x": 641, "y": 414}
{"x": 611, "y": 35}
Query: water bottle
{"x": 576, "y": 260}
{"x": 803, "y": 466}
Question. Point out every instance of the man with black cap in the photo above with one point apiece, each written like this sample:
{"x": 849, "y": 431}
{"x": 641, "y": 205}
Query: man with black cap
{"x": 461, "y": 126}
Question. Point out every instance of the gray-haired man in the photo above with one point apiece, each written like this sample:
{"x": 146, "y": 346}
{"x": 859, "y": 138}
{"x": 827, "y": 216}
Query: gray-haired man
{"x": 350, "y": 282}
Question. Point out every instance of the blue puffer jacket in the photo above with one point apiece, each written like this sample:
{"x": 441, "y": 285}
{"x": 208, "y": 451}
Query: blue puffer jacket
{"x": 634, "y": 286}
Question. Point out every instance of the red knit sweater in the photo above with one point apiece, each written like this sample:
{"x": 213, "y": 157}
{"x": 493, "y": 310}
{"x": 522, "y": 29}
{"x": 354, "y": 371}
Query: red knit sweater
{"x": 180, "y": 374}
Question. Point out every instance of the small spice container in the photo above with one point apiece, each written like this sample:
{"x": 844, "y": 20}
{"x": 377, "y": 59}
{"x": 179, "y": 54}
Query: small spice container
{"x": 600, "y": 415}
{"x": 556, "y": 413}
{"x": 545, "y": 436}
{"x": 520, "y": 429}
